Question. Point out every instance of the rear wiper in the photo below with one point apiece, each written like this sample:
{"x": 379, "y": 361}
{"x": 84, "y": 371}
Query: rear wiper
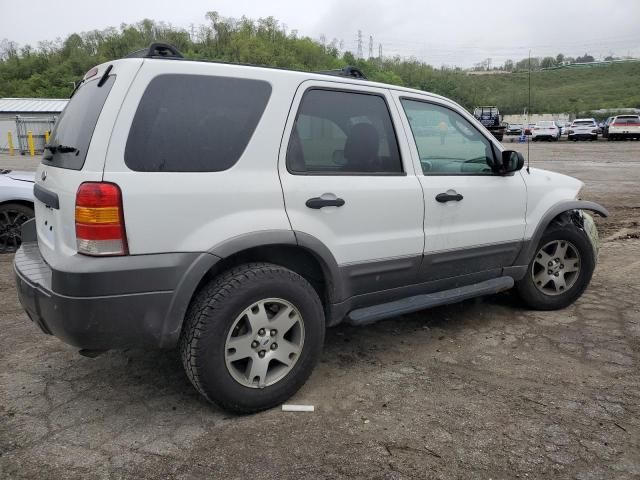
{"x": 60, "y": 149}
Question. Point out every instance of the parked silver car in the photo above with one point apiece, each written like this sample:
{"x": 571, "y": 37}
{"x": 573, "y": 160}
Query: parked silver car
{"x": 16, "y": 207}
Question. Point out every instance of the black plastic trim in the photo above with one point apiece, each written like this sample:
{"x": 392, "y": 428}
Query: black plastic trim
{"x": 251, "y": 240}
{"x": 338, "y": 311}
{"x": 374, "y": 276}
{"x": 369, "y": 315}
{"x": 458, "y": 262}
{"x": 49, "y": 198}
{"x": 330, "y": 268}
{"x": 529, "y": 248}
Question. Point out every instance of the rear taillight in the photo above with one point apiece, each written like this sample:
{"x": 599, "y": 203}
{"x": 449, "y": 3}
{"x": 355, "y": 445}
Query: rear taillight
{"x": 100, "y": 220}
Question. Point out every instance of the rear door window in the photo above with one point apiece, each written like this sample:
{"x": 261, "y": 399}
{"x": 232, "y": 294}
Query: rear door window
{"x": 343, "y": 133}
{"x": 72, "y": 133}
{"x": 194, "y": 123}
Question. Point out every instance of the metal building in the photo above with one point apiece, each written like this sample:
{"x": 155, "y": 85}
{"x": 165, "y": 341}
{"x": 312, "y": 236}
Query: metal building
{"x": 19, "y": 116}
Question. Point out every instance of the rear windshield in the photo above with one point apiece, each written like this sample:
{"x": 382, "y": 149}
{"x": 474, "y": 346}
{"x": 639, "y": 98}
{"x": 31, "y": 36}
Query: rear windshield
{"x": 76, "y": 124}
{"x": 545, "y": 124}
{"x": 629, "y": 120}
{"x": 584, "y": 122}
{"x": 194, "y": 123}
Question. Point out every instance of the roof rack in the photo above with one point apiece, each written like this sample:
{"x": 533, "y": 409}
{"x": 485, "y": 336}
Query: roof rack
{"x": 168, "y": 51}
{"x": 156, "y": 50}
{"x": 348, "y": 71}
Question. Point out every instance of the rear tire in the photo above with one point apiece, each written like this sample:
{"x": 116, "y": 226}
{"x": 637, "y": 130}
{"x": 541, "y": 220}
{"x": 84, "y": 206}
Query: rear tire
{"x": 234, "y": 339}
{"x": 542, "y": 290}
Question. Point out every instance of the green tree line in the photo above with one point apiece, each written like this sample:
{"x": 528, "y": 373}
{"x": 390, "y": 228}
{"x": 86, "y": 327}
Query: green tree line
{"x": 51, "y": 68}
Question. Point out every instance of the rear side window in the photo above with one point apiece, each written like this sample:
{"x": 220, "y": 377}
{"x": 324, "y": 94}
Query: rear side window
{"x": 193, "y": 123}
{"x": 348, "y": 133}
{"x": 72, "y": 133}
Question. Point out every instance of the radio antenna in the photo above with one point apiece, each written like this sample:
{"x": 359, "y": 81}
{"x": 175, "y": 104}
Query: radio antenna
{"x": 528, "y": 122}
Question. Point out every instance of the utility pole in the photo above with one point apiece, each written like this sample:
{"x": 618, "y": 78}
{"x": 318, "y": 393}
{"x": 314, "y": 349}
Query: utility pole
{"x": 359, "y": 54}
{"x": 370, "y": 46}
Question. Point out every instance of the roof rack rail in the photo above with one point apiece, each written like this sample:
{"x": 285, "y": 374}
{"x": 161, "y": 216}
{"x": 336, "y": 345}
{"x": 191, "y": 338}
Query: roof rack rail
{"x": 347, "y": 71}
{"x": 156, "y": 50}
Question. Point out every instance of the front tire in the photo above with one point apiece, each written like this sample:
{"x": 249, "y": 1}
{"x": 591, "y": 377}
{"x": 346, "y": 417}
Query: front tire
{"x": 561, "y": 269}
{"x": 12, "y": 216}
{"x": 252, "y": 337}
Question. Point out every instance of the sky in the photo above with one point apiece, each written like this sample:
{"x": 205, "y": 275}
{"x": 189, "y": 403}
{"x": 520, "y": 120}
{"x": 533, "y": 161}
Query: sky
{"x": 443, "y": 32}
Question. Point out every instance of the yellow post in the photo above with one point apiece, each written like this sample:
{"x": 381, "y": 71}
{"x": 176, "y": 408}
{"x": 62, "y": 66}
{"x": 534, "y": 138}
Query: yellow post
{"x": 32, "y": 147}
{"x": 10, "y": 138}
{"x": 46, "y": 137}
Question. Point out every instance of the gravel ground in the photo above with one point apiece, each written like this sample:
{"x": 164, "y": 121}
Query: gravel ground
{"x": 483, "y": 389}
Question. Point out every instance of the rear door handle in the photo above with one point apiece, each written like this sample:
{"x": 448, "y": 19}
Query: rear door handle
{"x": 447, "y": 197}
{"x": 318, "y": 202}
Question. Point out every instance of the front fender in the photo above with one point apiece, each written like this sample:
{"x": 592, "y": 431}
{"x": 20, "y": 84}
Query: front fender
{"x": 530, "y": 246}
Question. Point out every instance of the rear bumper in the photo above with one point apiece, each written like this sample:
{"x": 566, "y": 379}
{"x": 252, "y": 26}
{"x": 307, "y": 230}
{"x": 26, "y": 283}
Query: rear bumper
{"x": 583, "y": 135}
{"x": 91, "y": 305}
{"x": 624, "y": 134}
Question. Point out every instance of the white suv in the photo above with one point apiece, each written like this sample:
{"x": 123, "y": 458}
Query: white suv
{"x": 546, "y": 130}
{"x": 583, "y": 129}
{"x": 237, "y": 211}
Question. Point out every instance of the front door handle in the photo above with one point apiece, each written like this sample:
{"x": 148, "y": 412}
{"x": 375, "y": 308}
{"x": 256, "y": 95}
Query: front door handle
{"x": 318, "y": 202}
{"x": 447, "y": 197}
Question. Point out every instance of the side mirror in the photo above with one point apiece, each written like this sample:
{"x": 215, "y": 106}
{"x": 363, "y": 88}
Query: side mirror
{"x": 512, "y": 161}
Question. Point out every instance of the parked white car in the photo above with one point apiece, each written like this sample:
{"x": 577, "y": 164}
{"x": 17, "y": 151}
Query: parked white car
{"x": 16, "y": 207}
{"x": 546, "y": 130}
{"x": 235, "y": 212}
{"x": 624, "y": 127}
{"x": 583, "y": 129}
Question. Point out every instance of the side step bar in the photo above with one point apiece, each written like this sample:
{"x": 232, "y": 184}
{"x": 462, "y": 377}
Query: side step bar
{"x": 368, "y": 315}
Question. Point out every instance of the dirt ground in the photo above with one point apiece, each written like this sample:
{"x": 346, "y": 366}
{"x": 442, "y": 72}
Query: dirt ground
{"x": 479, "y": 390}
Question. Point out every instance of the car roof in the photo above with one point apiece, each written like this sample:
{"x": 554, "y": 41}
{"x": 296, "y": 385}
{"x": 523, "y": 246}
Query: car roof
{"x": 302, "y": 75}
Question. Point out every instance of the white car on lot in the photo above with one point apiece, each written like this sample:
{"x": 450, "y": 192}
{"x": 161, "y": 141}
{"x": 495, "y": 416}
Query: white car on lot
{"x": 583, "y": 129}
{"x": 16, "y": 207}
{"x": 624, "y": 127}
{"x": 546, "y": 130}
{"x": 235, "y": 212}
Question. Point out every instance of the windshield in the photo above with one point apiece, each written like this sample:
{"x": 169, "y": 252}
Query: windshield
{"x": 72, "y": 133}
{"x": 584, "y": 122}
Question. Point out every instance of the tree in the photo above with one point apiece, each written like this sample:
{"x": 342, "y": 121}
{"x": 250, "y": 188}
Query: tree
{"x": 559, "y": 59}
{"x": 548, "y": 62}
{"x": 585, "y": 59}
{"x": 508, "y": 65}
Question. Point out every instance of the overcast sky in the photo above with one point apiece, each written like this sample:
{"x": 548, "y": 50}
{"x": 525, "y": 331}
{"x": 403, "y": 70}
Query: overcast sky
{"x": 443, "y": 32}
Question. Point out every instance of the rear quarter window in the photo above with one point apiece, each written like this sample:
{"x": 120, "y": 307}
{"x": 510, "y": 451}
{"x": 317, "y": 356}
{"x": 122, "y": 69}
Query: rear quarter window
{"x": 194, "y": 123}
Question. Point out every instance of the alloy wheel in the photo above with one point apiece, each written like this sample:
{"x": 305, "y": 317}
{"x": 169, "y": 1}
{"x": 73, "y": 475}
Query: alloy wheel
{"x": 556, "y": 267}
{"x": 264, "y": 343}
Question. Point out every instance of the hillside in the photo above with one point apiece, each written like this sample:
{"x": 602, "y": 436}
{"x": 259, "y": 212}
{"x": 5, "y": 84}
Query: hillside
{"x": 51, "y": 69}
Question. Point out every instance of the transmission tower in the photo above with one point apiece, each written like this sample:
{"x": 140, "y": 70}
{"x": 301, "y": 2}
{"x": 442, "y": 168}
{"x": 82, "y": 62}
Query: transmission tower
{"x": 380, "y": 51}
{"x": 370, "y": 46}
{"x": 359, "y": 54}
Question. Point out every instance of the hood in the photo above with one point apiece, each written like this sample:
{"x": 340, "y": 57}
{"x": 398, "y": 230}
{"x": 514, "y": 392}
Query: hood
{"x": 553, "y": 179}
{"x": 21, "y": 176}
